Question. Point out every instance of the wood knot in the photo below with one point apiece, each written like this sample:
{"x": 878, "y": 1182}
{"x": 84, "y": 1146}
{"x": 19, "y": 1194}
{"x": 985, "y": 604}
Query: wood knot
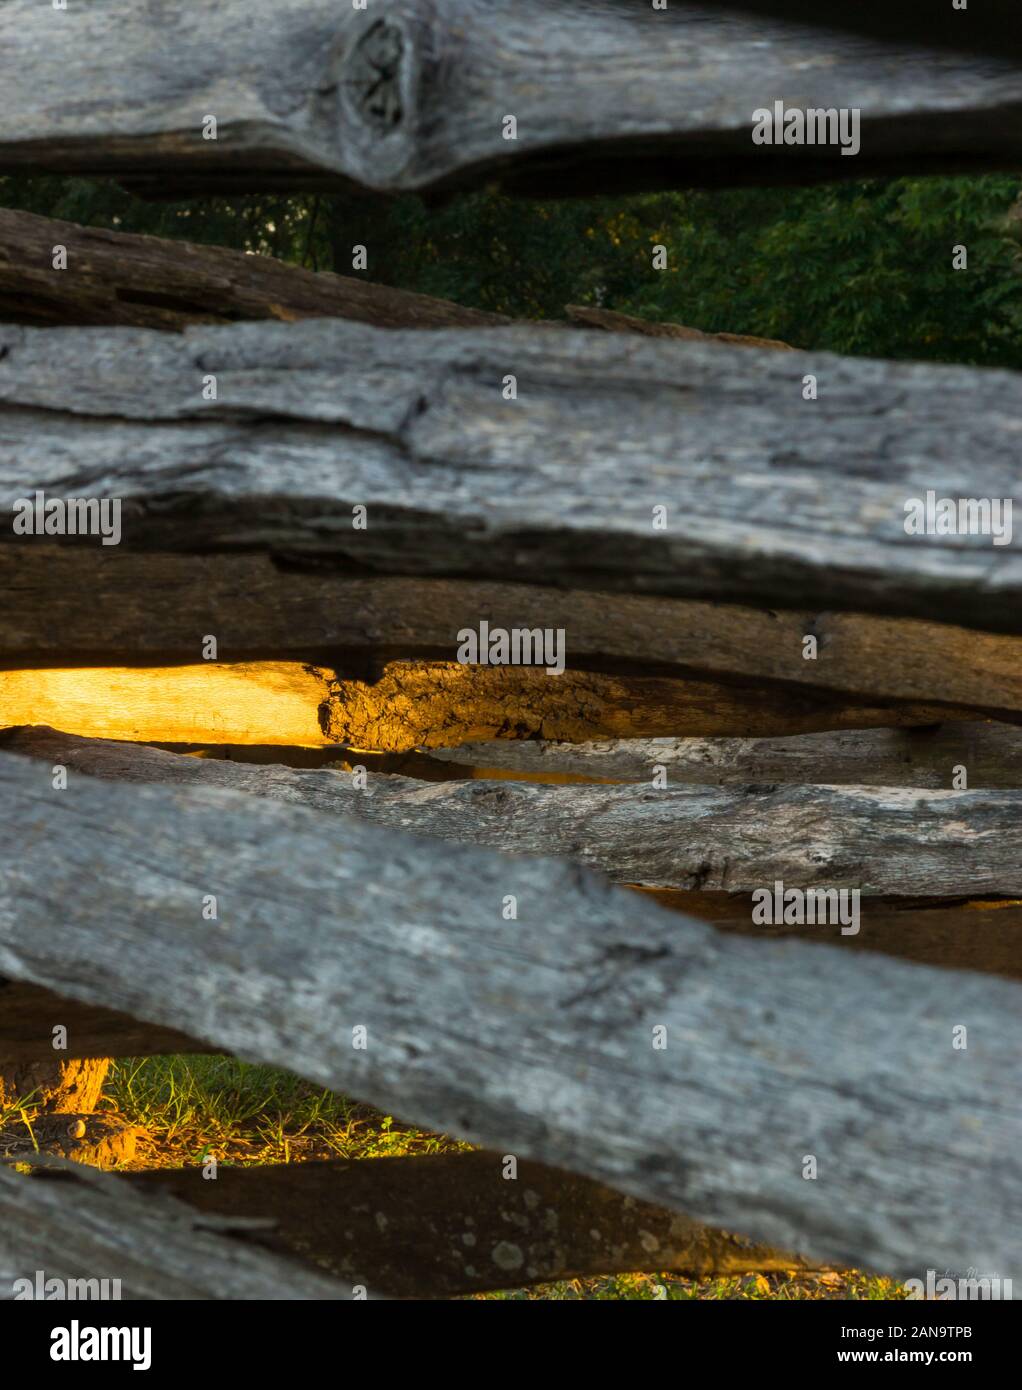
{"x": 375, "y": 73}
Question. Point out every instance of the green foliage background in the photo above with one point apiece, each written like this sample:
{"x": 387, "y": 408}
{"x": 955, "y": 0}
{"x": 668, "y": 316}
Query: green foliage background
{"x": 858, "y": 267}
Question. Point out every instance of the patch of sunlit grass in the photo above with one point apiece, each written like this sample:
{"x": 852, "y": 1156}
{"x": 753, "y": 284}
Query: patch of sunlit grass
{"x": 785, "y": 1287}
{"x": 244, "y": 1114}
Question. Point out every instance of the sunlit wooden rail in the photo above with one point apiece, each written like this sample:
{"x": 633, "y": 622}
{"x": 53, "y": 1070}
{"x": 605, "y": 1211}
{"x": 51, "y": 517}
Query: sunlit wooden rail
{"x": 106, "y": 606}
{"x": 422, "y": 704}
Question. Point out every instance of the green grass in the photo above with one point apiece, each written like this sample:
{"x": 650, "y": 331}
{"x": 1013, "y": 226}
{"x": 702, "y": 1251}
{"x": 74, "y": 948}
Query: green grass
{"x": 243, "y": 1114}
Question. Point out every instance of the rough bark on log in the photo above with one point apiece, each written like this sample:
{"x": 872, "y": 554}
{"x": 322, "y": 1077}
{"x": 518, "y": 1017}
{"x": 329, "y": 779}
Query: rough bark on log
{"x": 416, "y": 704}
{"x": 95, "y": 1226}
{"x": 876, "y": 839}
{"x": 412, "y": 95}
{"x": 766, "y": 496}
{"x": 105, "y": 606}
{"x": 949, "y": 935}
{"x": 439, "y": 1225}
{"x": 28, "y": 1015}
{"x": 156, "y": 282}
{"x": 68, "y": 1086}
{"x": 535, "y": 1036}
{"x": 990, "y": 753}
{"x": 982, "y": 938}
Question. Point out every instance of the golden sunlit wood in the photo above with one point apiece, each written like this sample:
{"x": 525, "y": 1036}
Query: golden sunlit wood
{"x": 415, "y": 704}
{"x": 262, "y": 702}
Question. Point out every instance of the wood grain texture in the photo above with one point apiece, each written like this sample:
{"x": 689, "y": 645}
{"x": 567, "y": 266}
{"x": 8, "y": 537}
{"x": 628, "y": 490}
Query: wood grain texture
{"x": 91, "y": 1225}
{"x": 986, "y": 938}
{"x": 991, "y": 26}
{"x": 954, "y": 936}
{"x": 415, "y": 705}
{"x": 266, "y": 702}
{"x": 732, "y": 839}
{"x": 155, "y": 282}
{"x": 922, "y": 757}
{"x": 77, "y": 605}
{"x": 768, "y": 496}
{"x": 440, "y": 1225}
{"x": 534, "y": 1036}
{"x": 47, "y": 1081}
{"x": 409, "y": 94}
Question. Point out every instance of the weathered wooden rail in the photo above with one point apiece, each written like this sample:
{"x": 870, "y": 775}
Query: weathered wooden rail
{"x": 912, "y": 854}
{"x": 151, "y": 282}
{"x": 91, "y": 1032}
{"x": 732, "y": 839}
{"x": 411, "y": 95}
{"x": 845, "y": 1056}
{"x": 95, "y": 1227}
{"x": 915, "y": 757}
{"x": 673, "y": 504}
{"x": 762, "y": 494}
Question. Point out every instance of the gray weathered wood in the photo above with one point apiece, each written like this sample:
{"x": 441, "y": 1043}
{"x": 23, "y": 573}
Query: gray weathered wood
{"x": 534, "y": 1036}
{"x": 988, "y": 939}
{"x": 104, "y": 606}
{"x": 923, "y": 757}
{"x": 768, "y": 496}
{"x": 878, "y": 839}
{"x": 92, "y": 1225}
{"x": 409, "y": 94}
{"x": 989, "y": 26}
